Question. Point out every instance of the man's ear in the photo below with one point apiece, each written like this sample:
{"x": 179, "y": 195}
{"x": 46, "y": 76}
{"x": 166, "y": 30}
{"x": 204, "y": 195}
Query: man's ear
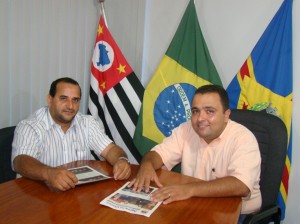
{"x": 227, "y": 114}
{"x": 49, "y": 99}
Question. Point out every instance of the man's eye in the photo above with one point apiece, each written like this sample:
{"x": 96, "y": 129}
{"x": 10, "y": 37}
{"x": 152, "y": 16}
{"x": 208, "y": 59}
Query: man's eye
{"x": 195, "y": 111}
{"x": 210, "y": 112}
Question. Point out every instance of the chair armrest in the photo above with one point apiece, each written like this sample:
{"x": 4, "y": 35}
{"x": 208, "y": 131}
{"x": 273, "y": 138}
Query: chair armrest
{"x": 271, "y": 213}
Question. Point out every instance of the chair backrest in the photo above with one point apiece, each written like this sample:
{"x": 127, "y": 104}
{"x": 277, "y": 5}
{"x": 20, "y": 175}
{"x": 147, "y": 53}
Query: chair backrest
{"x": 271, "y": 134}
{"x": 6, "y": 138}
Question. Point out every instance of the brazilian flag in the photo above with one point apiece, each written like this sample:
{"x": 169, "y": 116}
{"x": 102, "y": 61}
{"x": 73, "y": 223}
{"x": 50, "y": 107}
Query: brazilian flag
{"x": 265, "y": 81}
{"x": 186, "y": 66}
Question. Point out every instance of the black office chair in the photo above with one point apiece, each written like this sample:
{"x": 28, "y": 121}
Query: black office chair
{"x": 6, "y": 138}
{"x": 271, "y": 134}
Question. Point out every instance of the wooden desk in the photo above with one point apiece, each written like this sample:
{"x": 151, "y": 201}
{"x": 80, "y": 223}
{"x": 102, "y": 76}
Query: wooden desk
{"x": 27, "y": 201}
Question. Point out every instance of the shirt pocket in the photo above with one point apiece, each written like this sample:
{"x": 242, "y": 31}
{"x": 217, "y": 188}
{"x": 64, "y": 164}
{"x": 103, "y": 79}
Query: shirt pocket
{"x": 81, "y": 152}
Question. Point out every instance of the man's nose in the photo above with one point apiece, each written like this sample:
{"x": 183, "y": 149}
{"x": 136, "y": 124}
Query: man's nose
{"x": 70, "y": 104}
{"x": 201, "y": 115}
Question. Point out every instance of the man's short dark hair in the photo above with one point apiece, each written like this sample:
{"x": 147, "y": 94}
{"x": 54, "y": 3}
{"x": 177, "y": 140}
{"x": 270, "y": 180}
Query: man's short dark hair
{"x": 53, "y": 86}
{"x": 215, "y": 89}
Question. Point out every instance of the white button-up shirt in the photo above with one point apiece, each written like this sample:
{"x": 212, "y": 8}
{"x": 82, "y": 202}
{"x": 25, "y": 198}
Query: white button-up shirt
{"x": 41, "y": 138}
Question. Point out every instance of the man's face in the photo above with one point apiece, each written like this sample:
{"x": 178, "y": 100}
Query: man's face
{"x": 65, "y": 104}
{"x": 208, "y": 117}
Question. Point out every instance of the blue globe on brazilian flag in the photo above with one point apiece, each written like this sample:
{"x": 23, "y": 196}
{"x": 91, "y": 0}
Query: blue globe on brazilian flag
{"x": 186, "y": 66}
{"x": 173, "y": 107}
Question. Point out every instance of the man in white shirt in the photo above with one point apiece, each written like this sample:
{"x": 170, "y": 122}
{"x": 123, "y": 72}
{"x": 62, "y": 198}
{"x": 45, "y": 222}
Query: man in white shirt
{"x": 59, "y": 134}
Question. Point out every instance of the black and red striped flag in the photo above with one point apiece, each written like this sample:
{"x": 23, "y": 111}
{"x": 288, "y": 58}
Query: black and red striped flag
{"x": 116, "y": 93}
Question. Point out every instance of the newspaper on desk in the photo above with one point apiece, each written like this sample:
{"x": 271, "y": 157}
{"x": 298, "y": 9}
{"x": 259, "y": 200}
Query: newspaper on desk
{"x": 127, "y": 200}
{"x": 86, "y": 174}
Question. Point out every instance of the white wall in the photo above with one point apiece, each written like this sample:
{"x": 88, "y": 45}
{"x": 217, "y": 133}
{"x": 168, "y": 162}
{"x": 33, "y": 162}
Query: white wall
{"x": 41, "y": 40}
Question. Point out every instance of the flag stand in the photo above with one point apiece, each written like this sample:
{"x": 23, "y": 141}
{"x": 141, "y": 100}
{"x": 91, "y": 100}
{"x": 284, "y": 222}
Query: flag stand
{"x": 102, "y": 11}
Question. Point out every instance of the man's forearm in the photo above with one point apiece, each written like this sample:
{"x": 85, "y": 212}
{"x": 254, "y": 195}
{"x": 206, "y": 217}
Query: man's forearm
{"x": 30, "y": 167}
{"x": 114, "y": 153}
{"x": 222, "y": 187}
{"x": 154, "y": 159}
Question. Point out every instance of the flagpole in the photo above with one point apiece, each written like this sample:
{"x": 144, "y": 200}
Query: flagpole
{"x": 103, "y": 11}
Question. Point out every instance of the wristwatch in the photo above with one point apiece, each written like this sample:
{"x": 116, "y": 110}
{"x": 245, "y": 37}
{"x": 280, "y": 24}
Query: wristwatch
{"x": 123, "y": 157}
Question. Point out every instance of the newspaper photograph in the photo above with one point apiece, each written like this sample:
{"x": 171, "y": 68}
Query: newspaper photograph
{"x": 124, "y": 199}
{"x": 86, "y": 174}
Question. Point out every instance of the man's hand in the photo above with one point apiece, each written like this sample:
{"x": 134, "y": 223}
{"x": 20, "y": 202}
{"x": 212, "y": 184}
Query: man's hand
{"x": 171, "y": 193}
{"x": 121, "y": 170}
{"x": 117, "y": 158}
{"x": 151, "y": 162}
{"x": 221, "y": 187}
{"x": 145, "y": 175}
{"x": 60, "y": 179}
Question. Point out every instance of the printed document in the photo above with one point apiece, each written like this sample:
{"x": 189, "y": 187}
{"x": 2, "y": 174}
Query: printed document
{"x": 124, "y": 199}
{"x": 86, "y": 174}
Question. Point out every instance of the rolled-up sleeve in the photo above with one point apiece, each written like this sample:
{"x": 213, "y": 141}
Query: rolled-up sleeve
{"x": 26, "y": 141}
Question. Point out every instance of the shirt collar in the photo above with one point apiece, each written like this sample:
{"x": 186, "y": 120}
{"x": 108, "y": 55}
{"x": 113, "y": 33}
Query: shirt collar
{"x": 225, "y": 129}
{"x": 222, "y": 135}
